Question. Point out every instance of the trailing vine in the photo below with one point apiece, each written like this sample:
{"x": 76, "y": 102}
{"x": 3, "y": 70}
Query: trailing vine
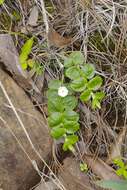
{"x": 63, "y": 98}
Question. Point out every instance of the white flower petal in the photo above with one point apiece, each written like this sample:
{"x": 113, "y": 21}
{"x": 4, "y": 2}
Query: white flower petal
{"x": 62, "y": 91}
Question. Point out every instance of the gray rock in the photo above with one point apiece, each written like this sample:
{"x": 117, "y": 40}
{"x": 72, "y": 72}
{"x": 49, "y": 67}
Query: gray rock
{"x": 16, "y": 170}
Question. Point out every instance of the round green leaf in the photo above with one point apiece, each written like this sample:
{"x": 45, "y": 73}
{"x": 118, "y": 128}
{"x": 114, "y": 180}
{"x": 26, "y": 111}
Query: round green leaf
{"x": 77, "y": 57}
{"x": 97, "y": 98}
{"x": 86, "y": 95}
{"x": 54, "y": 102}
{"x": 55, "y": 119}
{"x": 70, "y": 91}
{"x": 71, "y": 126}
{"x": 68, "y": 62}
{"x": 51, "y": 94}
{"x": 71, "y": 116}
{"x": 54, "y": 84}
{"x": 79, "y": 84}
{"x": 70, "y": 140}
{"x": 120, "y": 171}
{"x": 58, "y": 132}
{"x": 70, "y": 102}
{"x": 73, "y": 73}
{"x": 96, "y": 104}
{"x": 95, "y": 83}
{"x": 99, "y": 95}
{"x": 55, "y": 107}
{"x": 88, "y": 71}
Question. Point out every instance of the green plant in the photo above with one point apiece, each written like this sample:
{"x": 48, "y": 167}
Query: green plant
{"x": 63, "y": 120}
{"x": 84, "y": 79}
{"x": 16, "y": 15}
{"x": 121, "y": 171}
{"x": 63, "y": 98}
{"x": 1, "y": 2}
{"x": 83, "y": 167}
{"x": 25, "y": 51}
{"x": 29, "y": 63}
{"x": 122, "y": 167}
{"x": 35, "y": 66}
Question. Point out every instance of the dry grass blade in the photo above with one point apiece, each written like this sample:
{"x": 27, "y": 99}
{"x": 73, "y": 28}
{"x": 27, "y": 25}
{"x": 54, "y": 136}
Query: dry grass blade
{"x": 86, "y": 3}
{"x": 45, "y": 17}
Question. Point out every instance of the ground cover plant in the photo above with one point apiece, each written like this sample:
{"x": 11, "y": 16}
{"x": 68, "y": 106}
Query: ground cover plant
{"x": 62, "y": 100}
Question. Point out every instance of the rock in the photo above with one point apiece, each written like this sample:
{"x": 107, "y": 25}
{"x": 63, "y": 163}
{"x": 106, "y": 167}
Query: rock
{"x": 46, "y": 186}
{"x": 9, "y": 56}
{"x": 72, "y": 178}
{"x": 16, "y": 170}
{"x": 10, "y": 59}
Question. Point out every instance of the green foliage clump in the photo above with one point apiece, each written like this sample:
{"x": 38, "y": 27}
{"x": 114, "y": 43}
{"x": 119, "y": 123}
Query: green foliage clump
{"x": 122, "y": 167}
{"x": 121, "y": 171}
{"x": 25, "y": 51}
{"x": 84, "y": 83}
{"x": 83, "y": 167}
{"x": 84, "y": 79}
{"x": 25, "y": 62}
{"x": 63, "y": 120}
{"x": 1, "y": 2}
{"x": 35, "y": 65}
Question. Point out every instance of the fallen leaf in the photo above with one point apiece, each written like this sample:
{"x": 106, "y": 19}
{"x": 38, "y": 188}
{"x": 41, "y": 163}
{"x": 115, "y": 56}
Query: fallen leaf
{"x": 100, "y": 168}
{"x": 57, "y": 40}
{"x": 33, "y": 18}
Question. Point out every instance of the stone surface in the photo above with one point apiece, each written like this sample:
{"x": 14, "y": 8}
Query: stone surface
{"x": 47, "y": 186}
{"x": 72, "y": 178}
{"x": 16, "y": 171}
{"x": 9, "y": 58}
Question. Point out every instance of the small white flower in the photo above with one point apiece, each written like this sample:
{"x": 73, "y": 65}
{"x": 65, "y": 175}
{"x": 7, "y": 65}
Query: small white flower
{"x": 62, "y": 91}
